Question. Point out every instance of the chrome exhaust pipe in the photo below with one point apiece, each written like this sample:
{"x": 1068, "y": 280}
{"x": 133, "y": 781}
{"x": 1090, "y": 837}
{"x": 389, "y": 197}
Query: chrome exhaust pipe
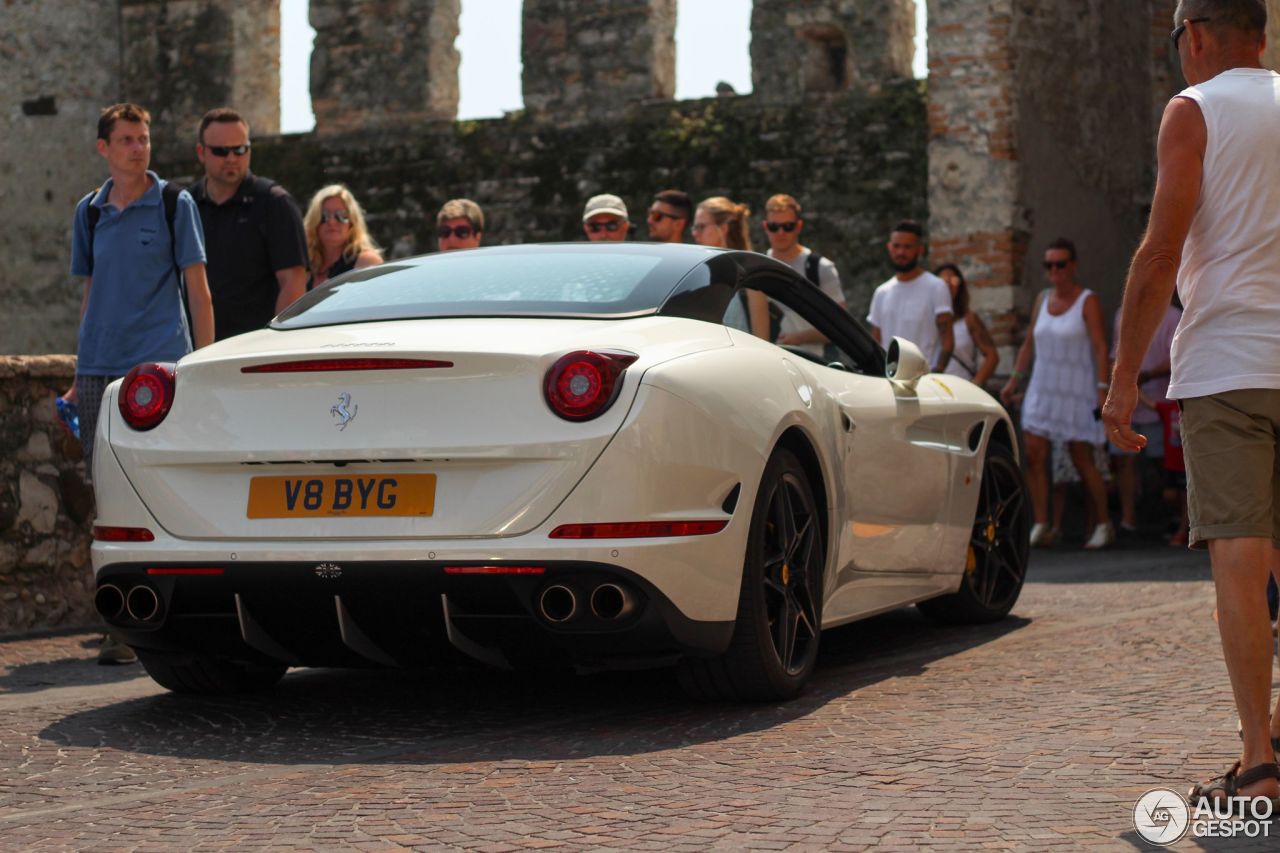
{"x": 143, "y": 603}
{"x": 109, "y": 601}
{"x": 558, "y": 603}
{"x": 610, "y": 601}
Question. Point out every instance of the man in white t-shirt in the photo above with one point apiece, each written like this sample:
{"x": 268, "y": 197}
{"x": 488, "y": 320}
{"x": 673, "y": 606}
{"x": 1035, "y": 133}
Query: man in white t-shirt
{"x": 914, "y": 304}
{"x": 783, "y": 226}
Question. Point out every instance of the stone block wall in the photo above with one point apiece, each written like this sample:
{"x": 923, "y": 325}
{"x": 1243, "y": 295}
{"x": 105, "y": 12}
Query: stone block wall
{"x": 812, "y": 46}
{"x": 46, "y": 508}
{"x": 379, "y": 64}
{"x": 586, "y": 58}
{"x": 181, "y": 58}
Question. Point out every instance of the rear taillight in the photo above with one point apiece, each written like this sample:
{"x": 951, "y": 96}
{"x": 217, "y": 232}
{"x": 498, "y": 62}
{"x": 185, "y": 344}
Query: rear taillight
{"x": 122, "y": 534}
{"x": 146, "y": 395}
{"x": 583, "y": 384}
{"x": 639, "y": 529}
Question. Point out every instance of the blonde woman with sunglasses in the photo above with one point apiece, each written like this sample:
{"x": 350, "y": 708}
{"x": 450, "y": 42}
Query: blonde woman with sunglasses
{"x": 337, "y": 239}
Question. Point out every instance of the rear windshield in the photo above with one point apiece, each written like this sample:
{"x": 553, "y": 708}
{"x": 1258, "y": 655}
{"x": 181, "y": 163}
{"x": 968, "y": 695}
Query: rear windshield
{"x": 548, "y": 281}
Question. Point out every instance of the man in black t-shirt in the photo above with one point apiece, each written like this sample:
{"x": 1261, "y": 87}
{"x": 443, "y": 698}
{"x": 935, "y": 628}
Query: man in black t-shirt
{"x": 252, "y": 230}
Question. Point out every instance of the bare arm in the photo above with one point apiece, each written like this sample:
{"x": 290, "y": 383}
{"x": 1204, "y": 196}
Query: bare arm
{"x": 1153, "y": 273}
{"x": 875, "y": 333}
{"x": 71, "y": 396}
{"x": 293, "y": 283}
{"x": 946, "y": 340}
{"x": 758, "y": 313}
{"x": 368, "y": 258}
{"x": 990, "y": 355}
{"x": 201, "y": 305}
{"x": 1026, "y": 354}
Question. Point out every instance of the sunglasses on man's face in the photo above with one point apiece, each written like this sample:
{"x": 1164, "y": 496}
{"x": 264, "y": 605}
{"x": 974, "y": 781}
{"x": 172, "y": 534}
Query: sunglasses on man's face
{"x": 775, "y": 227}
{"x": 658, "y": 216}
{"x": 1056, "y": 265}
{"x": 462, "y": 232}
{"x": 1182, "y": 28}
{"x": 226, "y": 150}
{"x": 340, "y": 215}
{"x": 610, "y": 226}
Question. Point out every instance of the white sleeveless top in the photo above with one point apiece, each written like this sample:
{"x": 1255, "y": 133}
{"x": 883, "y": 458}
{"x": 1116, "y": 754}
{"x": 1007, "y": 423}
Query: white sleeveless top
{"x": 1063, "y": 391}
{"x": 1229, "y": 281}
{"x": 965, "y": 350}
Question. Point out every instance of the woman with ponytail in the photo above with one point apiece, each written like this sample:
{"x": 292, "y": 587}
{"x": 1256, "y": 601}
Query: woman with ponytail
{"x": 722, "y": 223}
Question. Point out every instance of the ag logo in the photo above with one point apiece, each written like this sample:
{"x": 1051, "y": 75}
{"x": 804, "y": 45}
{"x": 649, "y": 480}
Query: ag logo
{"x": 328, "y": 571}
{"x": 1161, "y": 817}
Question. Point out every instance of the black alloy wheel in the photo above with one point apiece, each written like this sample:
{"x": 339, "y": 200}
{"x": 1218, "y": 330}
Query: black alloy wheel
{"x": 793, "y": 561}
{"x": 775, "y": 636}
{"x": 998, "y": 549}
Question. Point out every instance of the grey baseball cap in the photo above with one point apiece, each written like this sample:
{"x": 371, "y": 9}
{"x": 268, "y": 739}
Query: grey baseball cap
{"x": 605, "y": 203}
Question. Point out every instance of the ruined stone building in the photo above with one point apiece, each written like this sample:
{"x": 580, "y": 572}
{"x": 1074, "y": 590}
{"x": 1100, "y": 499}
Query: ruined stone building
{"x": 1037, "y": 120}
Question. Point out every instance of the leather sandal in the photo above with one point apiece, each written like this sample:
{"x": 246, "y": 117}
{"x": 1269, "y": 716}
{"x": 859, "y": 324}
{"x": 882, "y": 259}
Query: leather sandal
{"x": 1229, "y": 784}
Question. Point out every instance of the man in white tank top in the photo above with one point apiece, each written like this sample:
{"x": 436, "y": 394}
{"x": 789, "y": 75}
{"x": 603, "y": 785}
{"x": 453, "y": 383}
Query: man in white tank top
{"x": 1215, "y": 227}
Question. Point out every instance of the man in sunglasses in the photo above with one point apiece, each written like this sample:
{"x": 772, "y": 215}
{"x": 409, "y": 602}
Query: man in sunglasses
{"x": 783, "y": 226}
{"x": 1214, "y": 233}
{"x": 253, "y": 230}
{"x": 459, "y": 225}
{"x": 669, "y": 216}
{"x": 605, "y": 218}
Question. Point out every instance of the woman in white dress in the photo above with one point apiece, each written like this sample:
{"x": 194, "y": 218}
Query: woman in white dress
{"x": 1067, "y": 341}
{"x": 975, "y": 356}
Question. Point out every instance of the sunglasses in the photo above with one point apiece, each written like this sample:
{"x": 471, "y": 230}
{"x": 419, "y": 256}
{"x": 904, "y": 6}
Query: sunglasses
{"x": 1056, "y": 265}
{"x": 225, "y": 150}
{"x": 1182, "y": 28}
{"x": 340, "y": 215}
{"x": 462, "y": 232}
{"x": 658, "y": 216}
{"x": 775, "y": 227}
{"x": 610, "y": 226}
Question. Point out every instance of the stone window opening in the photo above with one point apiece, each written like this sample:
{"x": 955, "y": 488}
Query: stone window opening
{"x": 826, "y": 63}
{"x": 297, "y": 39}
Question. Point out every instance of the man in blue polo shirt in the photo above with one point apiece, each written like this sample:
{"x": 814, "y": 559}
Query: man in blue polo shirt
{"x": 132, "y": 309}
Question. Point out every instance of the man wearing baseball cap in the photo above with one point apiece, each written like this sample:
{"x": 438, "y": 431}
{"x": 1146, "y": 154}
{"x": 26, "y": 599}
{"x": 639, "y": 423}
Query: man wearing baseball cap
{"x": 605, "y": 218}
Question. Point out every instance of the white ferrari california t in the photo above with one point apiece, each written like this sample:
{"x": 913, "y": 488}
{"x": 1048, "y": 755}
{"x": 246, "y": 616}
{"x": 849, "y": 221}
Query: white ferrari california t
{"x": 545, "y": 455}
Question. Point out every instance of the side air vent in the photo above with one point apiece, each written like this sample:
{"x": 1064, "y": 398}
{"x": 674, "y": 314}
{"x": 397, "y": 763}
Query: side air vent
{"x": 731, "y": 500}
{"x": 975, "y": 437}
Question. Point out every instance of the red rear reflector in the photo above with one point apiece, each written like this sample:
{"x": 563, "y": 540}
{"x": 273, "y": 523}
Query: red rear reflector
{"x": 123, "y": 534}
{"x": 638, "y": 529}
{"x": 494, "y": 570}
{"x": 324, "y": 365}
{"x": 186, "y": 570}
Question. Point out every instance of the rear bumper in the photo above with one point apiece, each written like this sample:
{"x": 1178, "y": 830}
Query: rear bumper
{"x": 398, "y": 613}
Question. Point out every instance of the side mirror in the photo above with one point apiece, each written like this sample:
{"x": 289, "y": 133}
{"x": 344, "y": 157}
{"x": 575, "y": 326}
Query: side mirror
{"x": 905, "y": 363}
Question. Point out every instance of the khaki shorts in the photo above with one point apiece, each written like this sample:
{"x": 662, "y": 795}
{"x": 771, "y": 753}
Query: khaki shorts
{"x": 1233, "y": 465}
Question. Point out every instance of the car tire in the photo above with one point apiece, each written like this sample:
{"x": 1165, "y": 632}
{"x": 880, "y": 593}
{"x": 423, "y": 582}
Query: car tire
{"x": 998, "y": 549}
{"x": 775, "y": 635}
{"x": 208, "y": 675}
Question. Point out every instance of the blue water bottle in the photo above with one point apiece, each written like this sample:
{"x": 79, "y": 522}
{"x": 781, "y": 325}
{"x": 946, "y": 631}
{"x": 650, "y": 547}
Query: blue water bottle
{"x": 69, "y": 415}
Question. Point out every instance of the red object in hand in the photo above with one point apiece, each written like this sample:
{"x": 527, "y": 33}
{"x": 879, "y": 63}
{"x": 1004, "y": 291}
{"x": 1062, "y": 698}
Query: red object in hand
{"x": 1171, "y": 420}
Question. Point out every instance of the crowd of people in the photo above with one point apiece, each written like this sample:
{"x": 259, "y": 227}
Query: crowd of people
{"x": 168, "y": 270}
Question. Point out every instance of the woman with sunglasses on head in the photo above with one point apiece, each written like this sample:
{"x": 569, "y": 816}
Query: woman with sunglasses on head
{"x": 1068, "y": 343}
{"x": 975, "y": 356}
{"x": 337, "y": 239}
{"x": 722, "y": 223}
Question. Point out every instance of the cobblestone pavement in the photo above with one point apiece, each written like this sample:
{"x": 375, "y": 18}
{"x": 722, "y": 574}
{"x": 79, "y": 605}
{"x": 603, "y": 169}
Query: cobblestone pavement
{"x": 1038, "y": 732}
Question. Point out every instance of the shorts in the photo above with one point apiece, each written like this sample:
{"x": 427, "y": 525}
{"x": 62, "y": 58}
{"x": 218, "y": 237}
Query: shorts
{"x": 1229, "y": 441}
{"x": 1154, "y": 433}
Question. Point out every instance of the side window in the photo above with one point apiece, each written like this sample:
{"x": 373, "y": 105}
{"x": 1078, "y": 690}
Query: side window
{"x": 854, "y": 346}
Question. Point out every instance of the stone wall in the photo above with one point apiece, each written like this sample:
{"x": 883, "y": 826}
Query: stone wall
{"x": 810, "y": 46}
{"x": 53, "y": 81}
{"x": 45, "y": 507}
{"x": 856, "y": 161}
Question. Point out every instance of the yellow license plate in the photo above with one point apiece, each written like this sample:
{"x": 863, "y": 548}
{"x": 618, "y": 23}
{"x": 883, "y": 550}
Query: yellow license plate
{"x": 309, "y": 497}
